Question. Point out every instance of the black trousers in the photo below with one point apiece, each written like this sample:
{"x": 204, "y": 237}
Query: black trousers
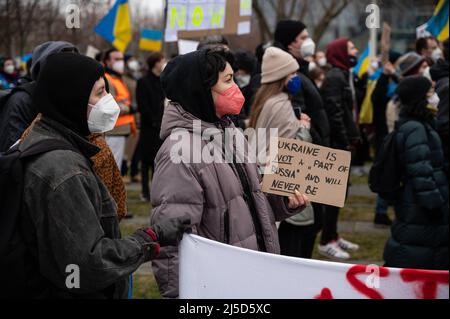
{"x": 298, "y": 241}
{"x": 329, "y": 228}
{"x": 145, "y": 178}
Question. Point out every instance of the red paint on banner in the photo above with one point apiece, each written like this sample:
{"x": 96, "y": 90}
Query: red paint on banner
{"x": 428, "y": 281}
{"x": 361, "y": 286}
{"x": 324, "y": 294}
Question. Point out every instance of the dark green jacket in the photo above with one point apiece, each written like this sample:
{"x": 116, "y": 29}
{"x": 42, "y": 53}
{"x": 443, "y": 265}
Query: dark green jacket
{"x": 420, "y": 232}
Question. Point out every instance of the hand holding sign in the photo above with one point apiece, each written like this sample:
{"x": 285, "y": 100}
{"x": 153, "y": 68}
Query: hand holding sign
{"x": 298, "y": 200}
{"x": 321, "y": 173}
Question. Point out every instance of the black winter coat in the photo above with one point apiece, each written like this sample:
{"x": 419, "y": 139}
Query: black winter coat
{"x": 150, "y": 100}
{"x": 16, "y": 115}
{"x": 419, "y": 236}
{"x": 338, "y": 102}
{"x": 310, "y": 102}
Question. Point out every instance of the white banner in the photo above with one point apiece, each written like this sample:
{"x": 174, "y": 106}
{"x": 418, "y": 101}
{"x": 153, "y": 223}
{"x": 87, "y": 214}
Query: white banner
{"x": 213, "y": 270}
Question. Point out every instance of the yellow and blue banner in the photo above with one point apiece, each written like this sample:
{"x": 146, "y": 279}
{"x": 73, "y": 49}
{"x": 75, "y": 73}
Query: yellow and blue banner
{"x": 438, "y": 24}
{"x": 151, "y": 40}
{"x": 115, "y": 27}
{"x": 363, "y": 63}
{"x": 366, "y": 113}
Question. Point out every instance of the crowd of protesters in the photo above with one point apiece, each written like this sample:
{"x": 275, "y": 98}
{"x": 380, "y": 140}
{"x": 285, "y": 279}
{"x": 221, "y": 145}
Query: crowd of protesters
{"x": 84, "y": 128}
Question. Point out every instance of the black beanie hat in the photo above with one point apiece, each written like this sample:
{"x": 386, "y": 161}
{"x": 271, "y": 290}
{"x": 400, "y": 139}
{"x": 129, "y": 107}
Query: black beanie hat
{"x": 63, "y": 89}
{"x": 287, "y": 31}
{"x": 413, "y": 90}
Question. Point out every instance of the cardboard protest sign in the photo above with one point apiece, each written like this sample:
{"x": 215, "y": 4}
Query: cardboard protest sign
{"x": 213, "y": 270}
{"x": 319, "y": 172}
{"x": 198, "y": 18}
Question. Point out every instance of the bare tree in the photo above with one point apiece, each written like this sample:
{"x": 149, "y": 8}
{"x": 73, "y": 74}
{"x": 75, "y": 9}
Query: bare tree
{"x": 331, "y": 11}
{"x": 52, "y": 13}
{"x": 24, "y": 16}
{"x": 296, "y": 9}
{"x": 6, "y": 32}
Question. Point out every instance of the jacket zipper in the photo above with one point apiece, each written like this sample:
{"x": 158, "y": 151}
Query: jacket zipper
{"x": 248, "y": 196}
{"x": 226, "y": 223}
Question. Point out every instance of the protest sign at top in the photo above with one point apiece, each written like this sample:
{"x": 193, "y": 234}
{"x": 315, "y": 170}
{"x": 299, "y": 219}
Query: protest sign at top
{"x": 319, "y": 172}
{"x": 198, "y": 18}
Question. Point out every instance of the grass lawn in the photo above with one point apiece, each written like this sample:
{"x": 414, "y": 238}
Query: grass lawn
{"x": 370, "y": 251}
{"x": 145, "y": 287}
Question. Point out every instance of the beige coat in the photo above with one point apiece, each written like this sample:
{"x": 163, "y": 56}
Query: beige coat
{"x": 278, "y": 113}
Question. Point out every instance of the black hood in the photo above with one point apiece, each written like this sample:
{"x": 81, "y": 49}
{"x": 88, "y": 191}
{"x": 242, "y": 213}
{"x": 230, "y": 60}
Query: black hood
{"x": 183, "y": 82}
{"x": 42, "y": 51}
{"x": 439, "y": 70}
{"x": 63, "y": 89}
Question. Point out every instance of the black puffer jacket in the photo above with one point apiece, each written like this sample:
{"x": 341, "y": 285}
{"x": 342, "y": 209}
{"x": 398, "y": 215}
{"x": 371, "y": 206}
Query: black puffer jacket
{"x": 338, "y": 101}
{"x": 310, "y": 102}
{"x": 19, "y": 110}
{"x": 420, "y": 232}
{"x": 16, "y": 114}
{"x": 380, "y": 100}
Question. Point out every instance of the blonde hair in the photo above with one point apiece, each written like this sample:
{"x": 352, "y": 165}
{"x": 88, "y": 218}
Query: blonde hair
{"x": 265, "y": 92}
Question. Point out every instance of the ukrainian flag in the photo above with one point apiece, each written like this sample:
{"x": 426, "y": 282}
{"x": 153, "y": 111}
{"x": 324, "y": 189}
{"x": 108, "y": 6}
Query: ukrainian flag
{"x": 115, "y": 27}
{"x": 438, "y": 24}
{"x": 363, "y": 63}
{"x": 151, "y": 40}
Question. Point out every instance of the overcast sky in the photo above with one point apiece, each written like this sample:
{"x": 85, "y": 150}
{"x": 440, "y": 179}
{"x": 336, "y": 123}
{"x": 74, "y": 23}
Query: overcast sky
{"x": 148, "y": 4}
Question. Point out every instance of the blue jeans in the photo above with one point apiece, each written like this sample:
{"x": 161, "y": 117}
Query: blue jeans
{"x": 130, "y": 288}
{"x": 381, "y": 206}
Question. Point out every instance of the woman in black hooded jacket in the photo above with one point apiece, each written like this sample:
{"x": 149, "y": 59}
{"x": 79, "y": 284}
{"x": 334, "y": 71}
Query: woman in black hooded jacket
{"x": 419, "y": 234}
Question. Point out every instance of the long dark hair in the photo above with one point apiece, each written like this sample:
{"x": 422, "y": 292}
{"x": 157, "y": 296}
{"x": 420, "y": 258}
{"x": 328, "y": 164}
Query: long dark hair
{"x": 216, "y": 62}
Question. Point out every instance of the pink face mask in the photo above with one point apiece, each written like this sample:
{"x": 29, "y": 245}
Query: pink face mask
{"x": 229, "y": 102}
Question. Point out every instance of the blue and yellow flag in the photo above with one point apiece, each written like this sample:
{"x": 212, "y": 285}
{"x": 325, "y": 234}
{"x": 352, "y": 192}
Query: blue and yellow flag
{"x": 363, "y": 63}
{"x": 438, "y": 24}
{"x": 115, "y": 27}
{"x": 151, "y": 40}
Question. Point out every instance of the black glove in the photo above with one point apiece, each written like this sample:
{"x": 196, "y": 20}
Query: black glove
{"x": 170, "y": 231}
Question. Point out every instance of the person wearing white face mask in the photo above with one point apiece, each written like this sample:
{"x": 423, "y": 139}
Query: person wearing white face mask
{"x": 428, "y": 47}
{"x": 321, "y": 59}
{"x": 76, "y": 220}
{"x": 102, "y": 116}
{"x": 130, "y": 162}
{"x": 126, "y": 124}
{"x": 244, "y": 67}
{"x": 293, "y": 37}
{"x": 150, "y": 101}
{"x": 8, "y": 74}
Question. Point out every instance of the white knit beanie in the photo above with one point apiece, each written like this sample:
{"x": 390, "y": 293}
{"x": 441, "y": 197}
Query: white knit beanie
{"x": 276, "y": 65}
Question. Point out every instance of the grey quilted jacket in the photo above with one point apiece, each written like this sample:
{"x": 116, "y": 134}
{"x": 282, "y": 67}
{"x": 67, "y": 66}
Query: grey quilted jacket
{"x": 213, "y": 196}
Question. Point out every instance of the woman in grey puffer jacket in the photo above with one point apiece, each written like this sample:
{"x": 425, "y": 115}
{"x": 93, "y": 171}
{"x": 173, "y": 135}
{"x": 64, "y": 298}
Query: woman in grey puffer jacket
{"x": 223, "y": 199}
